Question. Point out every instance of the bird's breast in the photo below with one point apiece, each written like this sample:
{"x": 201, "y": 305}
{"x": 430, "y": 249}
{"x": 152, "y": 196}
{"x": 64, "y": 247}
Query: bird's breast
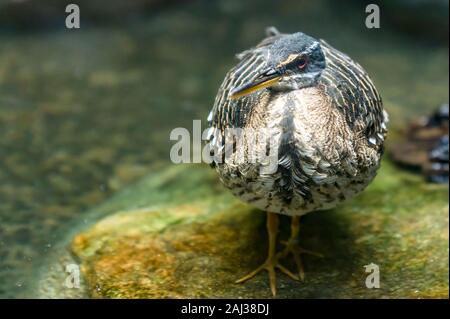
{"x": 316, "y": 163}
{"x": 302, "y": 118}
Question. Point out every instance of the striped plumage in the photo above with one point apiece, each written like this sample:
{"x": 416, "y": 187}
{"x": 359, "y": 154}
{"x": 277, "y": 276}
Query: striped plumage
{"x": 327, "y": 126}
{"x": 311, "y": 176}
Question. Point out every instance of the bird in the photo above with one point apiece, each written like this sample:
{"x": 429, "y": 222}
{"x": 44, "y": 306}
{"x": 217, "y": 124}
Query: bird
{"x": 322, "y": 118}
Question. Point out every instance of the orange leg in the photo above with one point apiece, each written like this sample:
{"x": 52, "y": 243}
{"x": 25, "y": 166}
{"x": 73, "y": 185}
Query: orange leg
{"x": 292, "y": 247}
{"x": 272, "y": 261}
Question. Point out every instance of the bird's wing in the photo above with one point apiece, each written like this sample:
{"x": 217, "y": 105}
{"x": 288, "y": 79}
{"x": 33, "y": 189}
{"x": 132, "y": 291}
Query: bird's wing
{"x": 354, "y": 93}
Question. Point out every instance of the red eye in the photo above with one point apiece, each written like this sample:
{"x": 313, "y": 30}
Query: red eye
{"x": 301, "y": 63}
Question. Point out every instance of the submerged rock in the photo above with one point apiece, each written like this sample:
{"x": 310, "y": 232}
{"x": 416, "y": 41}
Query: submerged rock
{"x": 179, "y": 234}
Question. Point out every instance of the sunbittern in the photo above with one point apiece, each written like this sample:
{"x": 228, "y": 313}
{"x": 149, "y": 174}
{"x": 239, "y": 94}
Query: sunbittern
{"x": 327, "y": 121}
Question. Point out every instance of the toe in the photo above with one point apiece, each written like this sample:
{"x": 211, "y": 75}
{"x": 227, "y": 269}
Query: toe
{"x": 273, "y": 280}
{"x": 287, "y": 272}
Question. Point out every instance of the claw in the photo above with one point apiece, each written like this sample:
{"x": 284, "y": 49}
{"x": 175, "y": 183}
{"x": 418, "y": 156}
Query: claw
{"x": 272, "y": 261}
{"x": 292, "y": 247}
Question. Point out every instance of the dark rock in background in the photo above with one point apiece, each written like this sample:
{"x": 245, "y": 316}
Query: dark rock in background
{"x": 437, "y": 169}
{"x": 424, "y": 146}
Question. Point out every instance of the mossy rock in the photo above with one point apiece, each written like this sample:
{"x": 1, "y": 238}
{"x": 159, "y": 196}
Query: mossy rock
{"x": 180, "y": 234}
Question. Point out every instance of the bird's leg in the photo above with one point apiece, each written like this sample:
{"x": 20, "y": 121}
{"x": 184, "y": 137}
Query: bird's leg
{"x": 292, "y": 247}
{"x": 272, "y": 261}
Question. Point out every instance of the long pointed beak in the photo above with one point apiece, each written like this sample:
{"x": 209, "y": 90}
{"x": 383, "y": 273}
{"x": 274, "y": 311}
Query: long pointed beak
{"x": 264, "y": 80}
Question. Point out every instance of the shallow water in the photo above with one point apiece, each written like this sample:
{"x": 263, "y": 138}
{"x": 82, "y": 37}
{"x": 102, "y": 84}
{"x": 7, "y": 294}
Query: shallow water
{"x": 85, "y": 113}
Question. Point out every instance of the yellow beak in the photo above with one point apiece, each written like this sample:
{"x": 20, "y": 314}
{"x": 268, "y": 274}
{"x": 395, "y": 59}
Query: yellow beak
{"x": 262, "y": 83}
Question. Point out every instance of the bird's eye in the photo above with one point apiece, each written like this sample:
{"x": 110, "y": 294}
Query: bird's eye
{"x": 301, "y": 63}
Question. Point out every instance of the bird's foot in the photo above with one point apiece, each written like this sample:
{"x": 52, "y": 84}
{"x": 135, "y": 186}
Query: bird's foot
{"x": 292, "y": 247}
{"x": 271, "y": 264}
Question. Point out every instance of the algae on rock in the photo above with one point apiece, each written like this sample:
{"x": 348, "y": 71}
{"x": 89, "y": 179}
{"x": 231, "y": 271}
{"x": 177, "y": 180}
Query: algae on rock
{"x": 188, "y": 237}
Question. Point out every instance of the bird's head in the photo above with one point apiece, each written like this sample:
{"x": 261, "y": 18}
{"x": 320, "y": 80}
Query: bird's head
{"x": 292, "y": 62}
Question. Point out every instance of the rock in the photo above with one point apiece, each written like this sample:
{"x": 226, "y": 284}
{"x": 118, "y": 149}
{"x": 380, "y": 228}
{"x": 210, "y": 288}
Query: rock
{"x": 179, "y": 234}
{"x": 424, "y": 146}
{"x": 437, "y": 168}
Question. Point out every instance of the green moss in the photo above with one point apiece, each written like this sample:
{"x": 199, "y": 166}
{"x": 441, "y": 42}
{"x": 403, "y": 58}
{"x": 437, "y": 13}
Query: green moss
{"x": 202, "y": 241}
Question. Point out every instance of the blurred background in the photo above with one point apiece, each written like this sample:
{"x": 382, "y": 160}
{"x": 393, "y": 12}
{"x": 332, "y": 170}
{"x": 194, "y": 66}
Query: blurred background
{"x": 85, "y": 112}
